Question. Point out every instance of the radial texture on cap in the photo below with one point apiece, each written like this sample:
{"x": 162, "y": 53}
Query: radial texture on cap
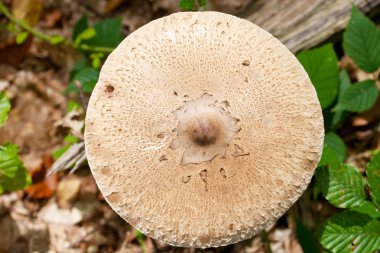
{"x": 203, "y": 129}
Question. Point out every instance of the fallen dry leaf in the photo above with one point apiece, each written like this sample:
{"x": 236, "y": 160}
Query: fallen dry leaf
{"x": 53, "y": 18}
{"x": 28, "y": 10}
{"x": 67, "y": 191}
{"x": 42, "y": 187}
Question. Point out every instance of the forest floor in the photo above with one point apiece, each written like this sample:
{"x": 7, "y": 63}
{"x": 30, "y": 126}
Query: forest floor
{"x": 66, "y": 212}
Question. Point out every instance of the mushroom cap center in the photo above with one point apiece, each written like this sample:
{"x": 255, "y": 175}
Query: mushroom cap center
{"x": 203, "y": 130}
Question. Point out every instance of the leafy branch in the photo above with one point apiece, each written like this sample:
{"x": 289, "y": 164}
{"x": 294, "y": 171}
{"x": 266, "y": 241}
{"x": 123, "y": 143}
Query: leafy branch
{"x": 53, "y": 39}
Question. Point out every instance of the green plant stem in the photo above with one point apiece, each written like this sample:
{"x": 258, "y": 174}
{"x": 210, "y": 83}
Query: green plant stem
{"x": 94, "y": 48}
{"x": 22, "y": 24}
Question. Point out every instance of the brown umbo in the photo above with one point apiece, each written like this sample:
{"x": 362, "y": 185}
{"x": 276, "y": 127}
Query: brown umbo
{"x": 211, "y": 131}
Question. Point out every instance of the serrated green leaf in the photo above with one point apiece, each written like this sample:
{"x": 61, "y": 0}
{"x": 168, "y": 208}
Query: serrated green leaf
{"x": 373, "y": 175}
{"x": 361, "y": 41}
{"x": 344, "y": 83}
{"x": 5, "y": 106}
{"x": 343, "y": 187}
{"x": 329, "y": 158}
{"x": 322, "y": 66}
{"x": 13, "y": 175}
{"x": 21, "y": 37}
{"x": 350, "y": 232}
{"x": 108, "y": 33}
{"x": 359, "y": 97}
{"x": 87, "y": 77}
{"x": 187, "y": 5}
{"x": 367, "y": 208}
{"x": 79, "y": 27}
{"x": 308, "y": 243}
{"x": 337, "y": 144}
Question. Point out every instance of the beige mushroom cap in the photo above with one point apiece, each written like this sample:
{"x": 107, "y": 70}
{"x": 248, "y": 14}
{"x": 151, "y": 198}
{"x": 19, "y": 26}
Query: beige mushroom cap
{"x": 203, "y": 129}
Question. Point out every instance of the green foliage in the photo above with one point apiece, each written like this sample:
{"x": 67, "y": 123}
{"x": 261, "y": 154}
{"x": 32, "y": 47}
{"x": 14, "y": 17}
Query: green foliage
{"x": 329, "y": 158}
{"x": 337, "y": 144}
{"x": 84, "y": 75}
{"x": 361, "y": 41}
{"x": 367, "y": 208}
{"x": 72, "y": 106}
{"x": 308, "y": 242}
{"x": 69, "y": 140}
{"x": 343, "y": 186}
{"x": 344, "y": 83}
{"x": 190, "y": 5}
{"x": 80, "y": 26}
{"x": 322, "y": 66}
{"x": 87, "y": 34}
{"x": 350, "y": 232}
{"x": 108, "y": 33}
{"x": 356, "y": 230}
{"x": 13, "y": 175}
{"x": 140, "y": 239}
{"x": 21, "y": 37}
{"x": 105, "y": 33}
{"x": 5, "y": 106}
{"x": 56, "y": 39}
{"x": 373, "y": 174}
{"x": 359, "y": 97}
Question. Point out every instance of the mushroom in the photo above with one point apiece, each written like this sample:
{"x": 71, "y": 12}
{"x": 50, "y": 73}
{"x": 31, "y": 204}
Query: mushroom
{"x": 203, "y": 129}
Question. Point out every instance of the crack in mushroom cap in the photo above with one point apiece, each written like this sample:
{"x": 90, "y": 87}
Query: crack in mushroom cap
{"x": 261, "y": 111}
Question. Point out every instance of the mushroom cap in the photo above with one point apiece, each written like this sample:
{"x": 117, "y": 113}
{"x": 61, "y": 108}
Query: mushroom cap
{"x": 203, "y": 129}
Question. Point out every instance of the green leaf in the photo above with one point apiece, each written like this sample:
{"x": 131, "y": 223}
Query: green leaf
{"x": 187, "y": 5}
{"x": 11, "y": 27}
{"x": 13, "y": 175}
{"x": 350, "y": 232}
{"x": 373, "y": 175}
{"x": 359, "y": 97}
{"x": 79, "y": 27}
{"x": 21, "y": 37}
{"x": 361, "y": 41}
{"x": 56, "y": 39}
{"x": 108, "y": 33}
{"x": 329, "y": 158}
{"x": 96, "y": 62}
{"x": 78, "y": 66}
{"x": 87, "y": 77}
{"x": 69, "y": 140}
{"x": 344, "y": 84}
{"x": 322, "y": 66}
{"x": 306, "y": 238}
{"x": 5, "y": 106}
{"x": 85, "y": 35}
{"x": 59, "y": 152}
{"x": 140, "y": 239}
{"x": 367, "y": 208}
{"x": 343, "y": 187}
{"x": 337, "y": 144}
{"x": 72, "y": 106}
{"x": 202, "y": 3}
